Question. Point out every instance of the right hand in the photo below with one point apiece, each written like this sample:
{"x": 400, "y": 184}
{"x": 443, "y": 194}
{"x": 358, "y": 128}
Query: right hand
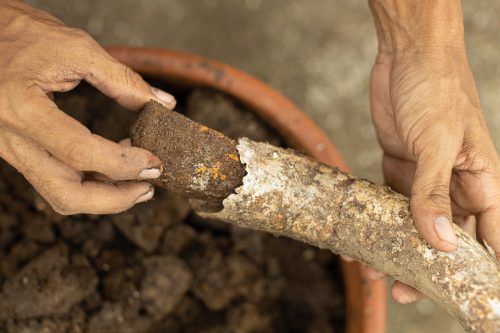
{"x": 429, "y": 123}
{"x": 40, "y": 55}
{"x": 437, "y": 148}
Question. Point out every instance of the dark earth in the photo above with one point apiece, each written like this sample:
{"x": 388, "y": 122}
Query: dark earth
{"x": 157, "y": 267}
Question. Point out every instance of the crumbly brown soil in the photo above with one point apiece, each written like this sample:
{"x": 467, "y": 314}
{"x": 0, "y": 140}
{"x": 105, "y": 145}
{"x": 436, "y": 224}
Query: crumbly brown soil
{"x": 157, "y": 267}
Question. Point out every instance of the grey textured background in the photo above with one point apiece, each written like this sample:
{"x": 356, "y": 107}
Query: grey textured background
{"x": 317, "y": 52}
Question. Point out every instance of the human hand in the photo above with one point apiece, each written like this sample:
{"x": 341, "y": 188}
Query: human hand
{"x": 427, "y": 114}
{"x": 437, "y": 148}
{"x": 40, "y": 55}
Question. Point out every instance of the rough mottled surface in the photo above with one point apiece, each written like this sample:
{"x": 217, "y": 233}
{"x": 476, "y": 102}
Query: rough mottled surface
{"x": 145, "y": 228}
{"x": 72, "y": 322}
{"x": 198, "y": 162}
{"x": 165, "y": 283}
{"x": 119, "y": 317}
{"x": 291, "y": 195}
{"x": 49, "y": 285}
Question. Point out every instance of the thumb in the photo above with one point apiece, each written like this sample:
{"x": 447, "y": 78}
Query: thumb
{"x": 430, "y": 200}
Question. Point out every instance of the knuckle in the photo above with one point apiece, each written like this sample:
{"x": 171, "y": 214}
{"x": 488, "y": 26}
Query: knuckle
{"x": 77, "y": 157}
{"x": 61, "y": 210}
{"x": 474, "y": 160}
{"x": 437, "y": 194}
{"x": 130, "y": 76}
{"x": 64, "y": 209}
{"x": 63, "y": 203}
{"x": 20, "y": 22}
{"x": 76, "y": 38}
{"x": 79, "y": 35}
{"x": 477, "y": 153}
{"x": 439, "y": 197}
{"x": 428, "y": 136}
{"x": 10, "y": 118}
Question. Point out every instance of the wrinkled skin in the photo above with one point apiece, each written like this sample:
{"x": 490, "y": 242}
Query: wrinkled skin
{"x": 436, "y": 145}
{"x": 40, "y": 56}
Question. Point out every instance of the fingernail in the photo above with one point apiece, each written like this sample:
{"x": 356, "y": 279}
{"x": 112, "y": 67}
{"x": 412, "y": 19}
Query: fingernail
{"x": 151, "y": 173}
{"x": 125, "y": 142}
{"x": 346, "y": 258}
{"x": 373, "y": 274}
{"x": 444, "y": 229}
{"x": 167, "y": 99}
{"x": 146, "y": 196}
{"x": 405, "y": 299}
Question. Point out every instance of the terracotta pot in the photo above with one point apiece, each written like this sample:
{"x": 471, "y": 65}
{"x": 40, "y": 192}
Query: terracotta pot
{"x": 365, "y": 300}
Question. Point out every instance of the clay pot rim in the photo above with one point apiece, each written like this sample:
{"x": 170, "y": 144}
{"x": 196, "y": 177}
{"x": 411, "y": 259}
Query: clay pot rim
{"x": 365, "y": 299}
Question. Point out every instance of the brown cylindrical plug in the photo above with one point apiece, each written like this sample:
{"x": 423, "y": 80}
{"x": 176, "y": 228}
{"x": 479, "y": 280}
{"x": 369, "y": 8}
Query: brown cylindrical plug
{"x": 198, "y": 162}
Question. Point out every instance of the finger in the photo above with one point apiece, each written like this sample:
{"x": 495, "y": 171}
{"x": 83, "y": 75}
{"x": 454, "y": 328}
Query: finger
{"x": 102, "y": 178}
{"x": 125, "y": 142}
{"x": 405, "y": 294}
{"x": 346, "y": 258}
{"x": 62, "y": 187}
{"x": 467, "y": 223}
{"x": 374, "y": 274}
{"x": 398, "y": 173}
{"x": 98, "y": 177}
{"x": 430, "y": 200}
{"x": 74, "y": 145}
{"x": 488, "y": 230}
{"x": 115, "y": 79}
